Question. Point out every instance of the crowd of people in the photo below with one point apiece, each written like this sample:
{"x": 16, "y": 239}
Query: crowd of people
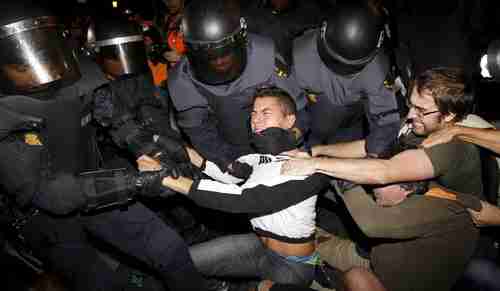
{"x": 254, "y": 111}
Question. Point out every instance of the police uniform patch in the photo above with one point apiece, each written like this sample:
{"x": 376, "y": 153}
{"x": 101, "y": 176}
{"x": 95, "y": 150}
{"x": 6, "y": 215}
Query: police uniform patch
{"x": 389, "y": 81}
{"x": 312, "y": 97}
{"x": 32, "y": 139}
{"x": 281, "y": 68}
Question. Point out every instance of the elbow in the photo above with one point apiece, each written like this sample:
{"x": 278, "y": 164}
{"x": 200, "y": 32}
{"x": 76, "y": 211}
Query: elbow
{"x": 382, "y": 174}
{"x": 381, "y": 178}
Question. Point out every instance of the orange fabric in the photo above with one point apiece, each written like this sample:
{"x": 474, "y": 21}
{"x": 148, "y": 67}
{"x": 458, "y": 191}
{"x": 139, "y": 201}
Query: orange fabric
{"x": 441, "y": 193}
{"x": 176, "y": 41}
{"x": 159, "y": 71}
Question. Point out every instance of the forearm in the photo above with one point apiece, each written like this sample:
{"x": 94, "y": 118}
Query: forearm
{"x": 353, "y": 149}
{"x": 260, "y": 199}
{"x": 487, "y": 138}
{"x": 360, "y": 171}
{"x": 410, "y": 165}
{"x": 182, "y": 184}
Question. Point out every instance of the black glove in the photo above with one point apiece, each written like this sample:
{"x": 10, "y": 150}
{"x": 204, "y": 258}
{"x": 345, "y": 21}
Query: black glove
{"x": 141, "y": 143}
{"x": 240, "y": 170}
{"x": 175, "y": 150}
{"x": 149, "y": 183}
{"x": 273, "y": 140}
{"x": 168, "y": 164}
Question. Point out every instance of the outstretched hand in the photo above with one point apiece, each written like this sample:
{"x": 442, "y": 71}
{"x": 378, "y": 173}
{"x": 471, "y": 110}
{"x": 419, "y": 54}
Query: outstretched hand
{"x": 296, "y": 153}
{"x": 390, "y": 195}
{"x": 298, "y": 167}
{"x": 489, "y": 215}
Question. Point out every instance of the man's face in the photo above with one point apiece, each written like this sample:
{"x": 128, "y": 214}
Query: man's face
{"x": 424, "y": 113}
{"x": 222, "y": 64}
{"x": 174, "y": 6}
{"x": 267, "y": 112}
{"x": 25, "y": 77}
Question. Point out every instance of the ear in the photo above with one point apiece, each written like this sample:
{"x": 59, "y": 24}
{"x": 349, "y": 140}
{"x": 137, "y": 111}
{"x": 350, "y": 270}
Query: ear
{"x": 449, "y": 117}
{"x": 290, "y": 120}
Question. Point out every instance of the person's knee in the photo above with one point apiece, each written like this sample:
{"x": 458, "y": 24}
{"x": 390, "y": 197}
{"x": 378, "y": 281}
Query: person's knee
{"x": 362, "y": 279}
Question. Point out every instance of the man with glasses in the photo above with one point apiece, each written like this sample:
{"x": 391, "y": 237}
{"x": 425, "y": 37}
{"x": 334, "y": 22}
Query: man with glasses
{"x": 434, "y": 237}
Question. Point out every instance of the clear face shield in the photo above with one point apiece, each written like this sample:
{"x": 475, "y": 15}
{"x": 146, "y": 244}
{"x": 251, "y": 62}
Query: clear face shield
{"x": 120, "y": 55}
{"x": 221, "y": 61}
{"x": 34, "y": 56}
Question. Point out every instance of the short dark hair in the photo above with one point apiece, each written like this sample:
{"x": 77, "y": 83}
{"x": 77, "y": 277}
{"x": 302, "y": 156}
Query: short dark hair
{"x": 448, "y": 88}
{"x": 287, "y": 103}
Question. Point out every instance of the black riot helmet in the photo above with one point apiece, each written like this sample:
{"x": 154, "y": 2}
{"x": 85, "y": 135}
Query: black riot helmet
{"x": 216, "y": 40}
{"x": 33, "y": 52}
{"x": 350, "y": 38}
{"x": 119, "y": 46}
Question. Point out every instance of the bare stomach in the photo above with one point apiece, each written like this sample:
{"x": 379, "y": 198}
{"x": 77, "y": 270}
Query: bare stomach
{"x": 289, "y": 249}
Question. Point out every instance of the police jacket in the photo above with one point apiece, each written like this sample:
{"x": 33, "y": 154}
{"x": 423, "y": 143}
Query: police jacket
{"x": 326, "y": 89}
{"x": 128, "y": 108}
{"x": 216, "y": 117}
{"x": 41, "y": 161}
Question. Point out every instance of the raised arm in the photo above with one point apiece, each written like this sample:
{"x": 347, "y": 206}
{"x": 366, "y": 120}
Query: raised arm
{"x": 485, "y": 137}
{"x": 367, "y": 171}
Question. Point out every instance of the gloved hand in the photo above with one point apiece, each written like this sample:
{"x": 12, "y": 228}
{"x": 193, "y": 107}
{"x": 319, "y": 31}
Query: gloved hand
{"x": 149, "y": 183}
{"x": 175, "y": 150}
{"x": 273, "y": 140}
{"x": 240, "y": 170}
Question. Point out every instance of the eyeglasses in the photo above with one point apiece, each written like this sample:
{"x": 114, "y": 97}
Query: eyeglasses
{"x": 420, "y": 112}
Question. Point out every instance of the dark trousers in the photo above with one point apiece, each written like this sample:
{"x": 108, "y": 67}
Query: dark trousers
{"x": 136, "y": 231}
{"x": 433, "y": 240}
{"x": 333, "y": 124}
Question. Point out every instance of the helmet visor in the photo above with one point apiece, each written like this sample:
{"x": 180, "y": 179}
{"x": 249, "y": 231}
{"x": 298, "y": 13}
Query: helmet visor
{"x": 219, "y": 62}
{"x": 32, "y": 59}
{"x": 123, "y": 58}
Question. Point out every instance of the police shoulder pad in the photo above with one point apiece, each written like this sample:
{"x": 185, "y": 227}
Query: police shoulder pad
{"x": 311, "y": 95}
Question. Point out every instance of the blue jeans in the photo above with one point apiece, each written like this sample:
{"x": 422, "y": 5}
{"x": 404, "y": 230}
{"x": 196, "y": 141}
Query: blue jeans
{"x": 244, "y": 256}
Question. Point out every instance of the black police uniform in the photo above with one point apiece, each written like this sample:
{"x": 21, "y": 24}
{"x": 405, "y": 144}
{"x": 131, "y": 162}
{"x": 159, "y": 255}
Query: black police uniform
{"x": 335, "y": 101}
{"x": 47, "y": 142}
{"x": 39, "y": 168}
{"x": 216, "y": 117}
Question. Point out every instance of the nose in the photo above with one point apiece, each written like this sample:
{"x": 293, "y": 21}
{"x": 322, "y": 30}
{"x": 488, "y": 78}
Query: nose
{"x": 412, "y": 113}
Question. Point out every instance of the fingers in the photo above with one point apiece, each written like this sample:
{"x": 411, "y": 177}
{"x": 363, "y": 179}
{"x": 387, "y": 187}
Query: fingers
{"x": 146, "y": 163}
{"x": 296, "y": 154}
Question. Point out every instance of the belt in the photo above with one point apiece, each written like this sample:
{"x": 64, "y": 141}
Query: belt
{"x": 313, "y": 259}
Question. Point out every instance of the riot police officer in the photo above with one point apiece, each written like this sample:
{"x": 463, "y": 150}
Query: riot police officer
{"x": 211, "y": 88}
{"x": 283, "y": 20}
{"x": 44, "y": 148}
{"x": 345, "y": 73}
{"x": 137, "y": 119}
